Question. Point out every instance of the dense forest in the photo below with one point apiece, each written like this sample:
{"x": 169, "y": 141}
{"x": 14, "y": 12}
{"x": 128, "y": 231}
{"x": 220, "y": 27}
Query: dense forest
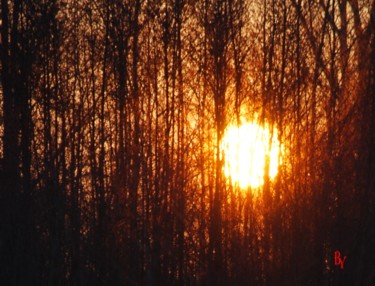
{"x": 112, "y": 118}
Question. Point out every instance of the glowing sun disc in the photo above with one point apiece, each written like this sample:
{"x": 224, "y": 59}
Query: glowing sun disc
{"x": 246, "y": 149}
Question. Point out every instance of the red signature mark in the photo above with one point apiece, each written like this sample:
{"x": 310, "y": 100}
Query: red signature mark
{"x": 338, "y": 260}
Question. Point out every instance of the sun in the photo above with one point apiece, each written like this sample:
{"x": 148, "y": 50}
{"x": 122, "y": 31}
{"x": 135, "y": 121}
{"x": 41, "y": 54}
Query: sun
{"x": 246, "y": 149}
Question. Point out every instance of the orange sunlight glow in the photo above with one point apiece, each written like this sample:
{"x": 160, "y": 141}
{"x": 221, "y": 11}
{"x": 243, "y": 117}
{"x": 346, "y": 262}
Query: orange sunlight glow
{"x": 246, "y": 148}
